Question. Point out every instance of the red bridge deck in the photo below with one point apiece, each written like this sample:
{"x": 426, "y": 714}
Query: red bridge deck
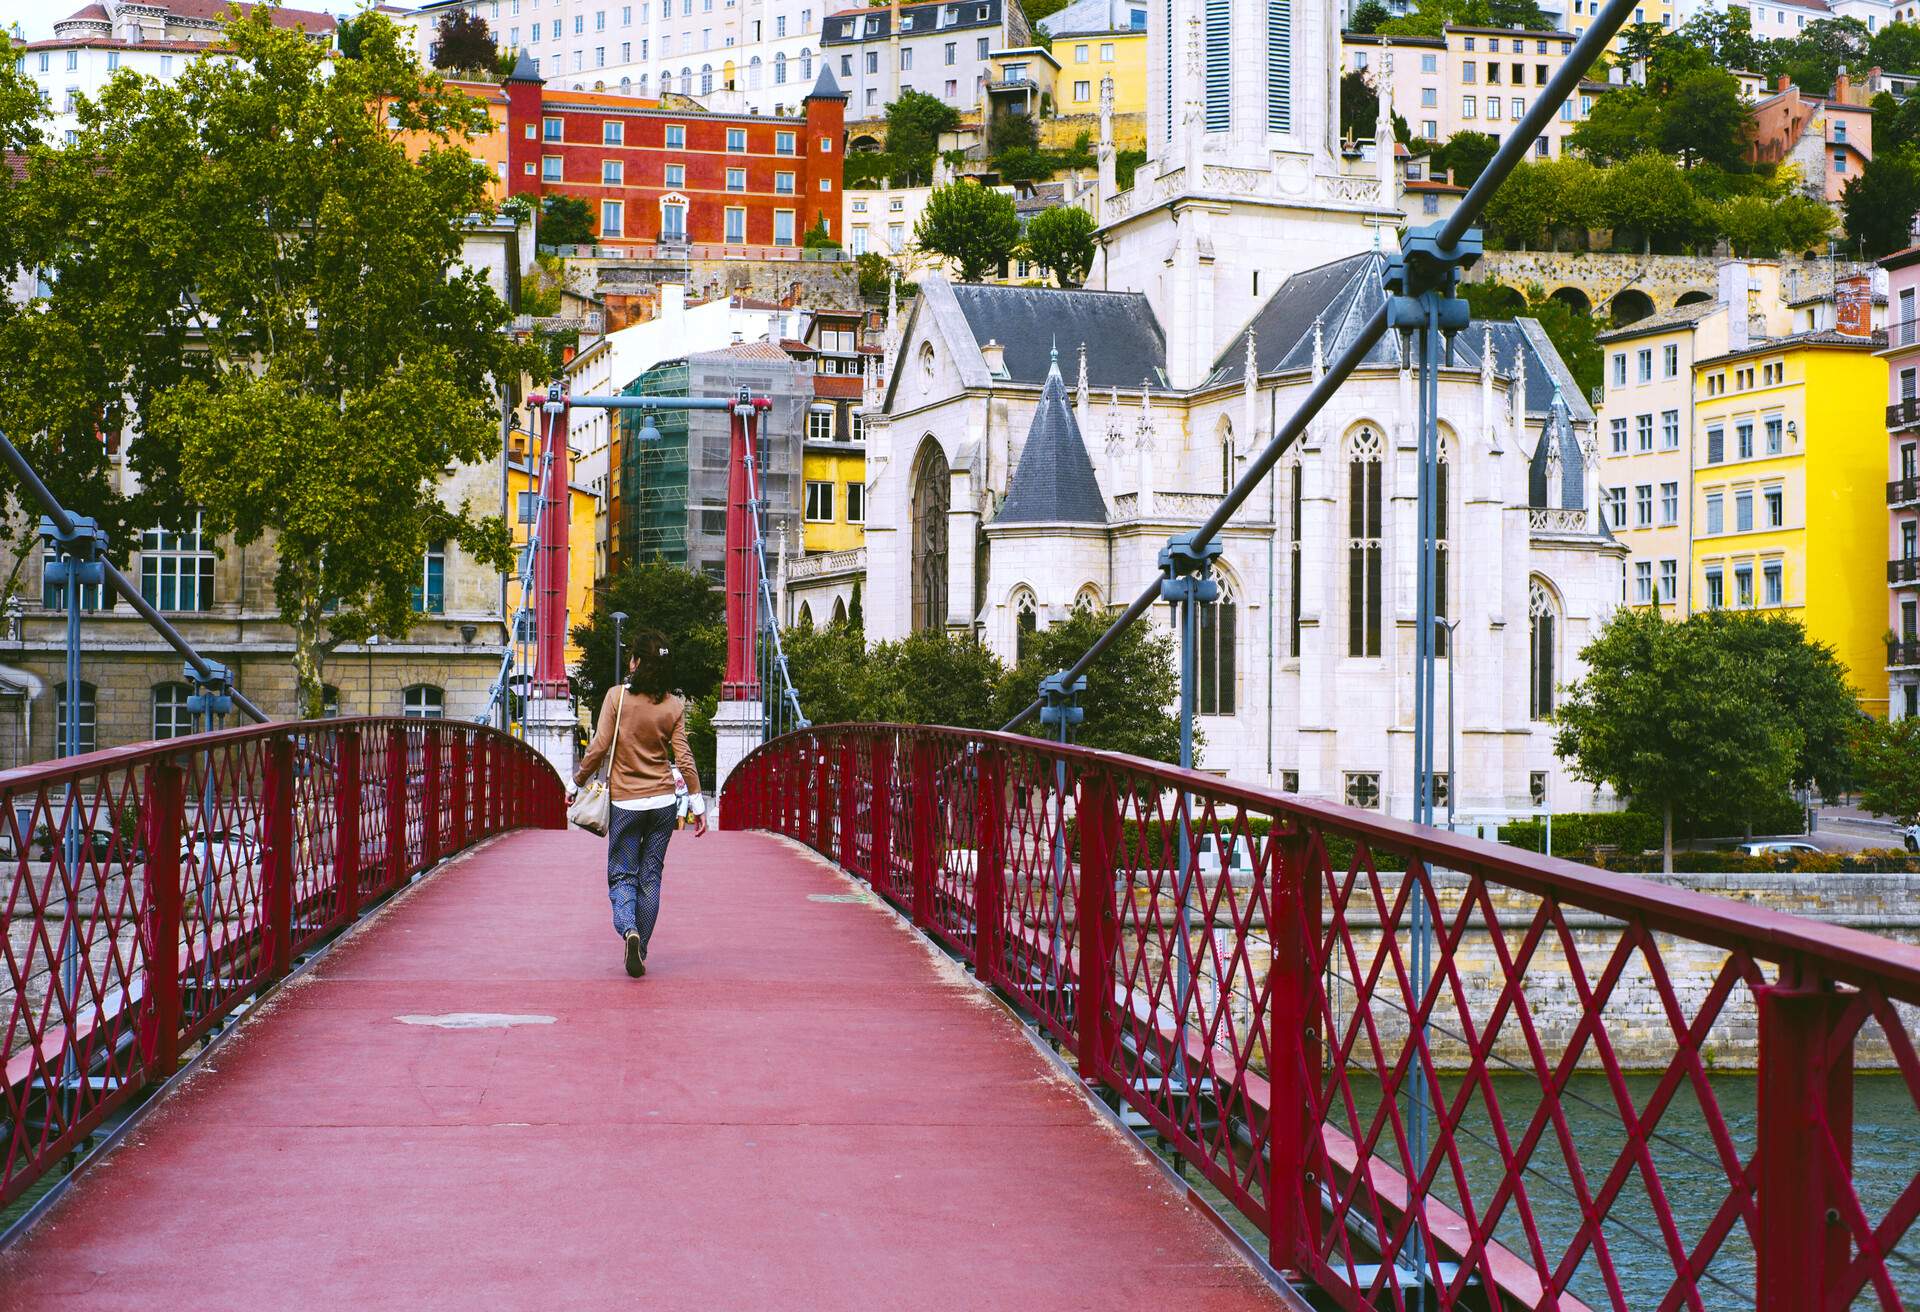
{"x": 799, "y": 1107}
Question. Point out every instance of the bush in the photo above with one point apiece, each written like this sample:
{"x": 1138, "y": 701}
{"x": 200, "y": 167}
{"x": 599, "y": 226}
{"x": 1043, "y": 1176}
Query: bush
{"x": 1582, "y": 831}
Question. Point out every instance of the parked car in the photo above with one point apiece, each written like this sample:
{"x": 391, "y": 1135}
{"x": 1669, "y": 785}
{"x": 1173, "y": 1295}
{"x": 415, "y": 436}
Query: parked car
{"x": 1910, "y": 836}
{"x": 1240, "y": 858}
{"x": 1776, "y": 847}
{"x": 226, "y": 849}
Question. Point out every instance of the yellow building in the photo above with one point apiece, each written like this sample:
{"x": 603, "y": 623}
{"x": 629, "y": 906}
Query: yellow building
{"x": 1583, "y": 12}
{"x": 488, "y": 150}
{"x": 1097, "y": 39}
{"x": 523, "y": 510}
{"x": 835, "y": 511}
{"x": 843, "y": 345}
{"x": 1789, "y": 467}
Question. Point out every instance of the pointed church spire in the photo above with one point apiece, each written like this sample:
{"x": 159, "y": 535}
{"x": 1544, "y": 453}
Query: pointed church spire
{"x": 1054, "y": 481}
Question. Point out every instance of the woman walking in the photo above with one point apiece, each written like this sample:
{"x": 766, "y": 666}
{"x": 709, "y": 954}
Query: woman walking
{"x": 642, "y": 735}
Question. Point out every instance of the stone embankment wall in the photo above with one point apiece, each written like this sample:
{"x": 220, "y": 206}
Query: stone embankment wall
{"x": 1663, "y": 279}
{"x": 631, "y": 288}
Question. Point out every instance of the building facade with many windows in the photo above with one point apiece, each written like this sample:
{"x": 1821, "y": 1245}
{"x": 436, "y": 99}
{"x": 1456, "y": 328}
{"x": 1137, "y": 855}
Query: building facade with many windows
{"x": 942, "y": 48}
{"x": 1903, "y": 483}
{"x": 1790, "y": 447}
{"x": 1469, "y": 79}
{"x": 675, "y": 178}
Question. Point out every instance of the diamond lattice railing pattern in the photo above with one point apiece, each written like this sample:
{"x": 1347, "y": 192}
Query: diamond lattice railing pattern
{"x": 1407, "y": 1060}
{"x": 145, "y": 892}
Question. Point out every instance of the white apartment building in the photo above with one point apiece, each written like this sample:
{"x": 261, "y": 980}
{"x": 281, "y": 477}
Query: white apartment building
{"x": 157, "y": 39}
{"x": 1773, "y": 19}
{"x": 1471, "y": 79}
{"x": 941, "y": 48}
{"x": 881, "y": 221}
{"x": 737, "y": 56}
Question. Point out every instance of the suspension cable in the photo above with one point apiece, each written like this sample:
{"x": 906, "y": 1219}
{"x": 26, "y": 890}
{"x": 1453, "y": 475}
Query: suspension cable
{"x": 514, "y": 645}
{"x": 1513, "y": 150}
{"x": 788, "y": 695}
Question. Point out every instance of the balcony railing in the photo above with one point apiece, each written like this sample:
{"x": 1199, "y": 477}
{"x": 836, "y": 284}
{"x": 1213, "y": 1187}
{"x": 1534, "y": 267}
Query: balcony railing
{"x": 1903, "y": 491}
{"x": 1904, "y": 333}
{"x": 1904, "y": 569}
{"x": 1903, "y": 651}
{"x": 1904, "y": 412}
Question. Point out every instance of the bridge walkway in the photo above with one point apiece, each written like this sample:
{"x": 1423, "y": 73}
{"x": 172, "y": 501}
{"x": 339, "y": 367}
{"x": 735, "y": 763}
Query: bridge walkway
{"x": 467, "y": 1104}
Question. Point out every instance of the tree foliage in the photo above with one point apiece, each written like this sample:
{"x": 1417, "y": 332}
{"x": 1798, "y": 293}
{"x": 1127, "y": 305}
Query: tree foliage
{"x": 463, "y": 41}
{"x": 973, "y": 226}
{"x": 1132, "y": 689}
{"x": 1680, "y": 716}
{"x": 1368, "y": 15}
{"x": 1896, "y": 48}
{"x": 1878, "y": 205}
{"x": 1061, "y": 239}
{"x": 248, "y": 259}
{"x": 1649, "y": 200}
{"x": 1759, "y": 227}
{"x": 1886, "y": 757}
{"x": 914, "y": 124}
{"x": 1467, "y": 154}
{"x": 1814, "y": 55}
{"x": 565, "y": 221}
{"x": 685, "y": 605}
{"x": 1704, "y": 120}
{"x": 1012, "y": 132}
{"x": 1431, "y": 17}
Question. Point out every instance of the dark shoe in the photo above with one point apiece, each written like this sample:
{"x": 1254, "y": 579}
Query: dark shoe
{"x": 636, "y": 958}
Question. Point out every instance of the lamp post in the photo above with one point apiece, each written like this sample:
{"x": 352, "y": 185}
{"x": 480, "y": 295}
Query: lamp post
{"x": 373, "y": 640}
{"x": 619, "y": 618}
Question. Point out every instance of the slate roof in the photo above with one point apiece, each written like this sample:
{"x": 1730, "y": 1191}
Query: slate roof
{"x": 1123, "y": 339}
{"x": 1054, "y": 481}
{"x": 1343, "y": 296}
{"x": 824, "y": 86}
{"x": 1093, "y": 17}
{"x": 1573, "y": 481}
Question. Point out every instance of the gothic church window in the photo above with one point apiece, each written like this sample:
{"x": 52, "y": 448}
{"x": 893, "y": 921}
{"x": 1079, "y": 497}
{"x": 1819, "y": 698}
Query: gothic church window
{"x": 1026, "y": 624}
{"x": 1540, "y": 650}
{"x": 1219, "y": 624}
{"x": 1364, "y": 543}
{"x": 929, "y": 528}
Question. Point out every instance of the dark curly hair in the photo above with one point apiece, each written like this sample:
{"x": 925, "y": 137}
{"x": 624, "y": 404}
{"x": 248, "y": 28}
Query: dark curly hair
{"x": 650, "y": 665}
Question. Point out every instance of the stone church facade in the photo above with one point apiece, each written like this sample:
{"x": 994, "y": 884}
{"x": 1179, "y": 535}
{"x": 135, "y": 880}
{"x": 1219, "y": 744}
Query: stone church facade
{"x": 1031, "y": 450}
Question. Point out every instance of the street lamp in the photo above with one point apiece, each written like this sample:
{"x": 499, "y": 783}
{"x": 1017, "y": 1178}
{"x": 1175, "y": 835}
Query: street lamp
{"x": 619, "y": 618}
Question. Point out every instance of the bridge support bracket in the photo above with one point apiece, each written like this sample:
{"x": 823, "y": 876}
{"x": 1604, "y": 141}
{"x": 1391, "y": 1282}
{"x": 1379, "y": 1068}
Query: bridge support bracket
{"x": 1058, "y": 702}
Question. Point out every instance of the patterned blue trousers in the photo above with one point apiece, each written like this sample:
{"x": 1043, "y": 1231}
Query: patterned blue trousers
{"x": 636, "y": 854}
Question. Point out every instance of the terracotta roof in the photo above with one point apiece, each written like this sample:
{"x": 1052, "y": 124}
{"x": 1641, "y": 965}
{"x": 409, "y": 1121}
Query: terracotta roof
{"x": 1824, "y": 337}
{"x": 839, "y": 387}
{"x": 753, "y": 351}
{"x": 1661, "y": 321}
{"x": 91, "y": 11}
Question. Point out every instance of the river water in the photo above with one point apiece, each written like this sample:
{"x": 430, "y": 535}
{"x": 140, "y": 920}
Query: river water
{"x": 1684, "y": 1156}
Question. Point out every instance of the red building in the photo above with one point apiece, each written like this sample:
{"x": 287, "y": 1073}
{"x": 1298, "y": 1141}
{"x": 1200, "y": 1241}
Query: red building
{"x": 678, "y": 177}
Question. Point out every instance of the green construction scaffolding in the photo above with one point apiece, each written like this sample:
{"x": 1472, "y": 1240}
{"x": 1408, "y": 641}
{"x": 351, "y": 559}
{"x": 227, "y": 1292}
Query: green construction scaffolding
{"x": 653, "y": 475}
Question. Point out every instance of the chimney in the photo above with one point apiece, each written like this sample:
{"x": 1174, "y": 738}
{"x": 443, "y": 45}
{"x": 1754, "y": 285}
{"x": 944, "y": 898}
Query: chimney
{"x": 996, "y": 358}
{"x": 1853, "y": 306}
{"x": 1782, "y": 82}
{"x": 1733, "y": 295}
{"x": 1842, "y": 84}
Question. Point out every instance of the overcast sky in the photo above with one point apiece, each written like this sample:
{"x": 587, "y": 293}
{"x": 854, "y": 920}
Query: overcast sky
{"x": 37, "y": 17}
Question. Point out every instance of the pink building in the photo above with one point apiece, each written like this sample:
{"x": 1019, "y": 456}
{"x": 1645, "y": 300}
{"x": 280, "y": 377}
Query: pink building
{"x": 1903, "y": 482}
{"x": 1830, "y": 139}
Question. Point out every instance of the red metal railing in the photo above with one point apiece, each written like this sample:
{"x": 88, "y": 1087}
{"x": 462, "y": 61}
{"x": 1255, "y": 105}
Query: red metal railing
{"x": 1236, "y": 966}
{"x": 150, "y": 889}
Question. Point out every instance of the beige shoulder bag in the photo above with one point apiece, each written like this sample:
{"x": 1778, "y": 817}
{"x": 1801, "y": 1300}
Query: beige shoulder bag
{"x": 592, "y": 806}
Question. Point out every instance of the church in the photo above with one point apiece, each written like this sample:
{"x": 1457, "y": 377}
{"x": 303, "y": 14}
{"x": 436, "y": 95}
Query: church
{"x": 1030, "y": 450}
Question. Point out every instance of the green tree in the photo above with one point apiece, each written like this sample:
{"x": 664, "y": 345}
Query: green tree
{"x": 565, "y": 221}
{"x": 463, "y": 41}
{"x": 1061, "y": 239}
{"x": 1624, "y": 122}
{"x": 1132, "y": 689}
{"x": 1803, "y": 683}
{"x": 1648, "y": 199}
{"x": 934, "y": 677}
{"x": 1432, "y": 16}
{"x": 829, "y": 670}
{"x": 1761, "y": 226}
{"x": 1887, "y": 762}
{"x": 1359, "y": 106}
{"x": 1519, "y": 13}
{"x": 1705, "y": 120}
{"x": 1037, "y": 10}
{"x": 1467, "y": 154}
{"x": 1896, "y": 48}
{"x": 1011, "y": 132}
{"x": 971, "y": 225}
{"x": 1896, "y": 123}
{"x": 914, "y": 124}
{"x": 1814, "y": 55}
{"x": 875, "y": 273}
{"x": 1525, "y": 206}
{"x": 685, "y": 605}
{"x": 280, "y": 290}
{"x": 1723, "y": 36}
{"x": 818, "y": 238}
{"x": 1878, "y": 206}
{"x": 348, "y": 34}
{"x": 1368, "y": 15}
{"x": 1669, "y": 719}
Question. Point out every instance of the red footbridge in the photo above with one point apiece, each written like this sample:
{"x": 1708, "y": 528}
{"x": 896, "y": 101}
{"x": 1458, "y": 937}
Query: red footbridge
{"x": 331, "y": 1015}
